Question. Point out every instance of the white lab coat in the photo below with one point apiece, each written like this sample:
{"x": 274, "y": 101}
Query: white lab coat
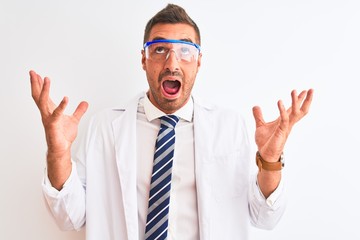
{"x": 101, "y": 190}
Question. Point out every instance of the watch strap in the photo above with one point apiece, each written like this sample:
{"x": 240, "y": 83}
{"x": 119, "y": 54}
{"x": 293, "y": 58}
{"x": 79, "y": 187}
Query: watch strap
{"x": 269, "y": 166}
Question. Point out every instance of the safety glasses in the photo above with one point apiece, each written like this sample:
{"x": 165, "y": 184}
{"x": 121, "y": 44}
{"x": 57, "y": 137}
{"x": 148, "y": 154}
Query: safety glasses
{"x": 159, "y": 50}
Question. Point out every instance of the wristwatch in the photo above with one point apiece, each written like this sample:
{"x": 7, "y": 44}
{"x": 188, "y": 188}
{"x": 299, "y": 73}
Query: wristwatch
{"x": 269, "y": 166}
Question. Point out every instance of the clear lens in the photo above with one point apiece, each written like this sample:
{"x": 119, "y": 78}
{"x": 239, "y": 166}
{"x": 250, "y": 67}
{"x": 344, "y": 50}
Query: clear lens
{"x": 160, "y": 51}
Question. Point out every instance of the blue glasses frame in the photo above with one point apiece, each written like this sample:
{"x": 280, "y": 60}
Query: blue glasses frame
{"x": 172, "y": 41}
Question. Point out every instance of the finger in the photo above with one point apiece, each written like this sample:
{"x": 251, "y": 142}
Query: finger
{"x": 44, "y": 98}
{"x": 293, "y": 106}
{"x": 297, "y": 100}
{"x": 258, "y": 116}
{"x": 36, "y": 85}
{"x": 284, "y": 116}
{"x": 40, "y": 82}
{"x": 58, "y": 112}
{"x": 302, "y": 95}
{"x": 80, "y": 110}
{"x": 294, "y": 102}
{"x": 307, "y": 102}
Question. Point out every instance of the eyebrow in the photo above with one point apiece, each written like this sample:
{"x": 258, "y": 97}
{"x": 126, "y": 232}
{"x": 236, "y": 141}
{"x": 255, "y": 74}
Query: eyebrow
{"x": 182, "y": 39}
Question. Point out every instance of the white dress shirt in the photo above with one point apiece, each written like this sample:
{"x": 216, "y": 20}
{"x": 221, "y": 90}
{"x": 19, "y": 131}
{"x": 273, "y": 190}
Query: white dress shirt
{"x": 183, "y": 214}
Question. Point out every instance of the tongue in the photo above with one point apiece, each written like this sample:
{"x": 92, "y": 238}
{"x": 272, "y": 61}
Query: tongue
{"x": 171, "y": 87}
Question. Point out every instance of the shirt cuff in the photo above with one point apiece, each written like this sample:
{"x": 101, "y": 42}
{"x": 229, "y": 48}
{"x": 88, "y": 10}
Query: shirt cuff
{"x": 49, "y": 189}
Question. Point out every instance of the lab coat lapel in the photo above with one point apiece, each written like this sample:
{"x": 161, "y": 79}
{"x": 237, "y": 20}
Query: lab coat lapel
{"x": 203, "y": 136}
{"x": 124, "y": 129}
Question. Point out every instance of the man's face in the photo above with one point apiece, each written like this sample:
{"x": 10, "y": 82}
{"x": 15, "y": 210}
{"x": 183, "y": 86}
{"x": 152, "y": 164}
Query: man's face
{"x": 171, "y": 81}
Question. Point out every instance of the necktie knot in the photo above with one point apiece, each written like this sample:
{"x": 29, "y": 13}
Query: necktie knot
{"x": 169, "y": 121}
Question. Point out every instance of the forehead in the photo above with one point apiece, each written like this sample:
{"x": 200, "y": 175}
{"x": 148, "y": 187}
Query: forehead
{"x": 179, "y": 31}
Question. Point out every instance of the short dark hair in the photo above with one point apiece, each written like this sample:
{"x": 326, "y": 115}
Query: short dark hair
{"x": 171, "y": 14}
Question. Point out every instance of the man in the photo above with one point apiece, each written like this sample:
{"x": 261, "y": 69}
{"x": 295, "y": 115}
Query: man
{"x": 208, "y": 191}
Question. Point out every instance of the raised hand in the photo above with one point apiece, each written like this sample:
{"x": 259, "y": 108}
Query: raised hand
{"x": 60, "y": 129}
{"x": 271, "y": 137}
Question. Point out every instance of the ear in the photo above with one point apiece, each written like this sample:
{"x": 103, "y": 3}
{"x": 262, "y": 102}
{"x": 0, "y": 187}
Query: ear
{"x": 199, "y": 62}
{"x": 143, "y": 60}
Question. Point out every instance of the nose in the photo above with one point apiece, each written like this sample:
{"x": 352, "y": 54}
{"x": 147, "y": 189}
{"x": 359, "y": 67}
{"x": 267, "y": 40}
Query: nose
{"x": 172, "y": 61}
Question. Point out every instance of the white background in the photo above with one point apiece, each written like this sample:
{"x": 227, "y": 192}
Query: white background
{"x": 254, "y": 53}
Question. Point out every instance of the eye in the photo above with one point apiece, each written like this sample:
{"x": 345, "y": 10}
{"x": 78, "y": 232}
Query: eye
{"x": 185, "y": 51}
{"x": 160, "y": 50}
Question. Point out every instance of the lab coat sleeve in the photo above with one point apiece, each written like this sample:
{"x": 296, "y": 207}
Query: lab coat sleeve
{"x": 67, "y": 206}
{"x": 265, "y": 213}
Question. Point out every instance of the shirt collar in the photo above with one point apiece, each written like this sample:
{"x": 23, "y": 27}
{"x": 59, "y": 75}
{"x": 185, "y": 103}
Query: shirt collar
{"x": 152, "y": 112}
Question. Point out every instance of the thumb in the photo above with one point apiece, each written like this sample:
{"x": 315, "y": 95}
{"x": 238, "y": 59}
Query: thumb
{"x": 80, "y": 110}
{"x": 257, "y": 113}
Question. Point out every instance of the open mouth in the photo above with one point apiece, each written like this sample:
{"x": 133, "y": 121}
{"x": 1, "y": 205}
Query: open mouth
{"x": 171, "y": 88}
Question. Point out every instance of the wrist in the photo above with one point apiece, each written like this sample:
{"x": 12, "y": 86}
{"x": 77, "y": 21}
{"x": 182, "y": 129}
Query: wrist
{"x": 54, "y": 155}
{"x": 58, "y": 169}
{"x": 267, "y": 165}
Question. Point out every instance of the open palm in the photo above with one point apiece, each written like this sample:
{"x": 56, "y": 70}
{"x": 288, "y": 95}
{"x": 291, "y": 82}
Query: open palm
{"x": 60, "y": 129}
{"x": 270, "y": 137}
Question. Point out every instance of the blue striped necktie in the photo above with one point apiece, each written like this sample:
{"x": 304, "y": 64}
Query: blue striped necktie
{"x": 159, "y": 197}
